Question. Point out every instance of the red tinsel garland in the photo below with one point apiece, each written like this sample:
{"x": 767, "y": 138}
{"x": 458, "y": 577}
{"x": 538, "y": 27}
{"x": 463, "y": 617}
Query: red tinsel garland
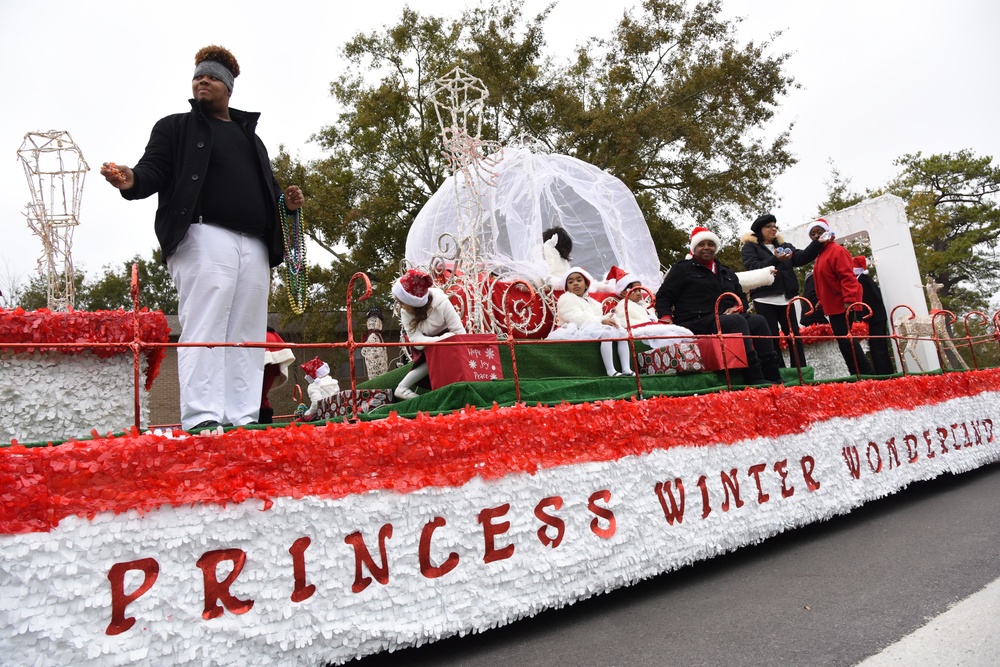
{"x": 86, "y": 328}
{"x": 41, "y": 486}
{"x": 816, "y": 333}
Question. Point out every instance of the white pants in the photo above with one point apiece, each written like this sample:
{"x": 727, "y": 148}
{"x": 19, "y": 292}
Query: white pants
{"x": 222, "y": 279}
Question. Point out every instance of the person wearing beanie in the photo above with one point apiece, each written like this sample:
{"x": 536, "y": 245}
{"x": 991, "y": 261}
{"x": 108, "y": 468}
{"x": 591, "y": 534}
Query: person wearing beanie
{"x": 878, "y": 321}
{"x": 764, "y": 247}
{"x": 687, "y": 297}
{"x": 837, "y": 289}
{"x": 321, "y": 386}
{"x": 426, "y": 315}
{"x": 580, "y": 317}
{"x": 219, "y": 229}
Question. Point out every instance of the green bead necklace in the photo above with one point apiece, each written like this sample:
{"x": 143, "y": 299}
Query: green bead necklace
{"x": 295, "y": 268}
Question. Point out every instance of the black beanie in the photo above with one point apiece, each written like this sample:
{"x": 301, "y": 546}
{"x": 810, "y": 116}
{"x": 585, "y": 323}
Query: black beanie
{"x": 760, "y": 222}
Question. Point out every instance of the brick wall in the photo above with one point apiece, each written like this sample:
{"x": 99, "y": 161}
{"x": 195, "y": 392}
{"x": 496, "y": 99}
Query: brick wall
{"x": 164, "y": 397}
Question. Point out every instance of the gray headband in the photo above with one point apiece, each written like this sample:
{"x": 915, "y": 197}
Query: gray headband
{"x": 216, "y": 69}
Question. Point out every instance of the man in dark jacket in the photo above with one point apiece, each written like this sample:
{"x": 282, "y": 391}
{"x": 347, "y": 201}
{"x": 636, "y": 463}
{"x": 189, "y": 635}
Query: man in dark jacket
{"x": 763, "y": 247}
{"x": 878, "y": 322}
{"x": 218, "y": 227}
{"x": 688, "y": 295}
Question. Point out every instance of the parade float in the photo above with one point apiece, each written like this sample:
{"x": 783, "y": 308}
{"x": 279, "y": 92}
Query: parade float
{"x": 472, "y": 506}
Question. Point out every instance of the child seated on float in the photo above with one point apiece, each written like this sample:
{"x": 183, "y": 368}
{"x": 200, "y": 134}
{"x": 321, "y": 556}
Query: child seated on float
{"x": 581, "y": 318}
{"x": 426, "y": 315}
{"x": 643, "y": 321}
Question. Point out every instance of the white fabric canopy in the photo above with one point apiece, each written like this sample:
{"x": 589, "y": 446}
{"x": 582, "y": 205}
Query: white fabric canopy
{"x": 534, "y": 192}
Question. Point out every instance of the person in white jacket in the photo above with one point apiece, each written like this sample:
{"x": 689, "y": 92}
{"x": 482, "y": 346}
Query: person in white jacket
{"x": 321, "y": 386}
{"x": 581, "y": 317}
{"x": 641, "y": 319}
{"x": 426, "y": 315}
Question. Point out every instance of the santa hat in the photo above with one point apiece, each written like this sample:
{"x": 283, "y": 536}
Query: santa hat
{"x": 315, "y": 368}
{"x": 820, "y": 222}
{"x": 860, "y": 265}
{"x": 622, "y": 279}
{"x": 412, "y": 288}
{"x": 699, "y": 234}
{"x": 582, "y": 272}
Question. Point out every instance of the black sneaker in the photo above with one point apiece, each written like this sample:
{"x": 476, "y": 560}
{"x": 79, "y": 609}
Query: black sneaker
{"x": 208, "y": 423}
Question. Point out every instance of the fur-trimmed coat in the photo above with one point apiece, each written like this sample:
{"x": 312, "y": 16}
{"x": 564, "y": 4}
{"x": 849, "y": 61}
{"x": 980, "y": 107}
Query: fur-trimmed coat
{"x": 755, "y": 255}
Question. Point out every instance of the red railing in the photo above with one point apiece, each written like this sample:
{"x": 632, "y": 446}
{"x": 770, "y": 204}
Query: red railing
{"x": 139, "y": 346}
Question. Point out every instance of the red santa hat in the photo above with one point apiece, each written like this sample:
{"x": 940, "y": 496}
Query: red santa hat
{"x": 412, "y": 288}
{"x": 316, "y": 368}
{"x": 860, "y": 265}
{"x": 622, "y": 279}
{"x": 820, "y": 222}
{"x": 699, "y": 234}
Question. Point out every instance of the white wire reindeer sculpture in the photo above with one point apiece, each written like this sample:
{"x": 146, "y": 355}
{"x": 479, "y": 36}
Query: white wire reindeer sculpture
{"x": 911, "y": 330}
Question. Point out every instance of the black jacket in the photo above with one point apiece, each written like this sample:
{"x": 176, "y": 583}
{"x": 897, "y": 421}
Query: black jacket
{"x": 174, "y": 166}
{"x": 756, "y": 256}
{"x": 873, "y": 297}
{"x": 690, "y": 290}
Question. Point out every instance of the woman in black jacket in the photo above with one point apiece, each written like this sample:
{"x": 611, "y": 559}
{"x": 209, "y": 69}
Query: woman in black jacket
{"x": 763, "y": 247}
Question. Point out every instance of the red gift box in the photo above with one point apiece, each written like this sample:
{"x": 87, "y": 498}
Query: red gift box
{"x": 711, "y": 352}
{"x": 476, "y": 360}
{"x": 670, "y": 359}
{"x": 339, "y": 405}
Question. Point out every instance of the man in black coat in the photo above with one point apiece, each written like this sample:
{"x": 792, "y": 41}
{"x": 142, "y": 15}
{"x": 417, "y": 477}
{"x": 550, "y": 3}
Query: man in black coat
{"x": 218, "y": 227}
{"x": 688, "y": 298}
{"x": 878, "y": 323}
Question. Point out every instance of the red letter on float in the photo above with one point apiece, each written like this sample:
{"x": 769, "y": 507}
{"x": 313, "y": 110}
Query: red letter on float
{"x": 218, "y": 591}
{"x": 943, "y": 436}
{"x": 781, "y": 467}
{"x": 119, "y": 600}
{"x": 426, "y": 569}
{"x": 705, "y": 509}
{"x": 302, "y": 592}
{"x": 853, "y": 461}
{"x": 756, "y": 470}
{"x": 491, "y": 530}
{"x": 877, "y": 466}
{"x": 891, "y": 453}
{"x": 730, "y": 483}
{"x": 911, "y": 448}
{"x": 676, "y": 510}
{"x": 602, "y": 512}
{"x": 808, "y": 465}
{"x": 968, "y": 438}
{"x": 361, "y": 556}
{"x": 555, "y": 502}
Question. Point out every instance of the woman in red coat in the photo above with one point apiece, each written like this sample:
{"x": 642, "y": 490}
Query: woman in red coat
{"x": 836, "y": 289}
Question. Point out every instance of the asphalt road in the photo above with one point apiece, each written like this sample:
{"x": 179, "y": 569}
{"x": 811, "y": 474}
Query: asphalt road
{"x": 830, "y": 594}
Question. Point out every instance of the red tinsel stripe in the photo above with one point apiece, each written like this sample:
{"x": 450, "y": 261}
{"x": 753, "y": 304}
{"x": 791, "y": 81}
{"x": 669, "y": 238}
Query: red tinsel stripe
{"x": 86, "y": 327}
{"x": 41, "y": 486}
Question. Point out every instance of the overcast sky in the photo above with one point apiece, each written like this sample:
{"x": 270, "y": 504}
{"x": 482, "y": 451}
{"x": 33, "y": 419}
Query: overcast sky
{"x": 880, "y": 78}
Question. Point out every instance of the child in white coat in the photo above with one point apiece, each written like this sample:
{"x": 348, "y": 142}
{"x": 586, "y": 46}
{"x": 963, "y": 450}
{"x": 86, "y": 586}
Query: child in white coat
{"x": 321, "y": 386}
{"x": 582, "y": 318}
{"x": 641, "y": 320}
{"x": 426, "y": 315}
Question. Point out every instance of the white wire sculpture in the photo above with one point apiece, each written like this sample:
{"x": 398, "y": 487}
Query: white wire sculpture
{"x": 459, "y": 100}
{"x": 55, "y": 169}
